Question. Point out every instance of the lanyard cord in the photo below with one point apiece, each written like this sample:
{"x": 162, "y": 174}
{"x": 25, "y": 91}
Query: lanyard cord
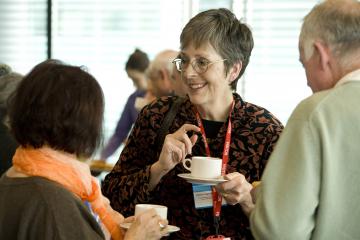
{"x": 217, "y": 198}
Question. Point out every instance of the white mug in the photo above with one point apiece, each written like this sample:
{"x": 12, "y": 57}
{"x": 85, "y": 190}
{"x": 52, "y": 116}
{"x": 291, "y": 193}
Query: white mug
{"x": 204, "y": 167}
{"x": 160, "y": 209}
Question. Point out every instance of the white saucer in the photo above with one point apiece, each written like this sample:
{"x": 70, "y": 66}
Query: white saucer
{"x": 209, "y": 181}
{"x": 169, "y": 228}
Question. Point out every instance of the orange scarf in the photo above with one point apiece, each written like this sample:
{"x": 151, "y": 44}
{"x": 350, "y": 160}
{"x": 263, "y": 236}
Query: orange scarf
{"x": 74, "y": 175}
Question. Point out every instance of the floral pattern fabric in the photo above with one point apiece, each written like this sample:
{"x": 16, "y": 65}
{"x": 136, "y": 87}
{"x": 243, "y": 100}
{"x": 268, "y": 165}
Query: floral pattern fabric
{"x": 254, "y": 134}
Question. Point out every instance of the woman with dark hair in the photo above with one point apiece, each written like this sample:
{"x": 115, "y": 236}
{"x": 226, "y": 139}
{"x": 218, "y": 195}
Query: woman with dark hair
{"x": 212, "y": 121}
{"x": 135, "y": 68}
{"x": 56, "y": 115}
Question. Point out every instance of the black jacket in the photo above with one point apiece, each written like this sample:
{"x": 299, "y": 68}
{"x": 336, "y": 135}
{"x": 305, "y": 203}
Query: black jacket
{"x": 8, "y": 146}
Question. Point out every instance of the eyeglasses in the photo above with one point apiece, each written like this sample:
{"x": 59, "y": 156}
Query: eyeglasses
{"x": 200, "y": 65}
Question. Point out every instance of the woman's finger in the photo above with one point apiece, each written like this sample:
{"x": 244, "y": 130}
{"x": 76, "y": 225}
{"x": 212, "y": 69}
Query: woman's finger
{"x": 129, "y": 219}
{"x": 181, "y": 146}
{"x": 177, "y": 154}
{"x": 235, "y": 181}
{"x": 193, "y": 139}
{"x": 189, "y": 142}
{"x": 231, "y": 198}
{"x": 188, "y": 145}
{"x": 189, "y": 127}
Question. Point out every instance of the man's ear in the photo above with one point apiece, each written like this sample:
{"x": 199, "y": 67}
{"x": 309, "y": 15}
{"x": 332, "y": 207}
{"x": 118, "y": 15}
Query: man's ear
{"x": 163, "y": 74}
{"x": 323, "y": 55}
{"x": 327, "y": 63}
{"x": 235, "y": 71}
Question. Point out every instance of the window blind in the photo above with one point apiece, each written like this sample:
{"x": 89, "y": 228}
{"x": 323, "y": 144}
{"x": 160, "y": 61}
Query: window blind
{"x": 274, "y": 78}
{"x": 101, "y": 34}
{"x": 23, "y": 41}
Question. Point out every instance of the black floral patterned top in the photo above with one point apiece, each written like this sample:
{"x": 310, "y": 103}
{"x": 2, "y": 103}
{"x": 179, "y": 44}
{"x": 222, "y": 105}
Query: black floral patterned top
{"x": 254, "y": 134}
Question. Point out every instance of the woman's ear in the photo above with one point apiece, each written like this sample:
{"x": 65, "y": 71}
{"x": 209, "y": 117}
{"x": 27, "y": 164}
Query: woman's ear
{"x": 235, "y": 71}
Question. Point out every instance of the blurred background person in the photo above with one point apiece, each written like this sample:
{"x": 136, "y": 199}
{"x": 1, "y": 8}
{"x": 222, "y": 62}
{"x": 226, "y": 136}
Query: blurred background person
{"x": 4, "y": 69}
{"x": 56, "y": 116}
{"x": 135, "y": 67}
{"x": 177, "y": 83}
{"x": 160, "y": 71}
{"x": 163, "y": 81}
{"x": 8, "y": 83}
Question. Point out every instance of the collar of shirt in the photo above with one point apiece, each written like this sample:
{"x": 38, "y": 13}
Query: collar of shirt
{"x": 352, "y": 76}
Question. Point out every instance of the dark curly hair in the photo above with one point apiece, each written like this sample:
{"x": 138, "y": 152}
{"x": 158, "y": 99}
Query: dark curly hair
{"x": 59, "y": 106}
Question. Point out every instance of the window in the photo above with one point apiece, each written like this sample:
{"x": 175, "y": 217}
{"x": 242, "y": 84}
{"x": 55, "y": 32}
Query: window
{"x": 274, "y": 78}
{"x": 101, "y": 34}
{"x": 23, "y": 41}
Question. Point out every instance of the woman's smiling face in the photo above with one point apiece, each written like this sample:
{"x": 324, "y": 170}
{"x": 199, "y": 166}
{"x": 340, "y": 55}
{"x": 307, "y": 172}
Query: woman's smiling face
{"x": 211, "y": 86}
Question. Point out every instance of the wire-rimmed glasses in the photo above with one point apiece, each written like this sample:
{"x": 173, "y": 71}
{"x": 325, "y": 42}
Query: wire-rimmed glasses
{"x": 200, "y": 65}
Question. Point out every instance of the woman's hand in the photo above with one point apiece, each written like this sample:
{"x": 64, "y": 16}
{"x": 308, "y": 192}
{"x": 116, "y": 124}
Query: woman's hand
{"x": 148, "y": 225}
{"x": 237, "y": 190}
{"x": 176, "y": 146}
{"x": 129, "y": 219}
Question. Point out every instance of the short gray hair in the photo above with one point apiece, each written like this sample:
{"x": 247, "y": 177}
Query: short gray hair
{"x": 4, "y": 69}
{"x": 231, "y": 38}
{"x": 162, "y": 60}
{"x": 337, "y": 24}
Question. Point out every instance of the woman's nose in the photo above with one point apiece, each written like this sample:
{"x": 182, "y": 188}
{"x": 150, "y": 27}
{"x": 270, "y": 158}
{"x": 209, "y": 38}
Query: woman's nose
{"x": 189, "y": 72}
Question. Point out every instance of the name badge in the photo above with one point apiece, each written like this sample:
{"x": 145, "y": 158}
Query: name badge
{"x": 203, "y": 197}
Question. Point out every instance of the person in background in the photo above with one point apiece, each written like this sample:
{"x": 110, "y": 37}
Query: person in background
{"x": 162, "y": 79}
{"x": 135, "y": 67}
{"x": 56, "y": 116}
{"x": 4, "y": 69}
{"x": 8, "y": 82}
{"x": 212, "y": 121}
{"x": 309, "y": 189}
{"x": 177, "y": 83}
{"x": 160, "y": 71}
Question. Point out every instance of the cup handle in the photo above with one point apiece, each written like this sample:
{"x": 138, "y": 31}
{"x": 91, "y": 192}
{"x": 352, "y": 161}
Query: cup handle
{"x": 184, "y": 163}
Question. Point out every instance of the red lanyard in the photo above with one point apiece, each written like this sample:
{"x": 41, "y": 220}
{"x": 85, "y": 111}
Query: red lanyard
{"x": 217, "y": 198}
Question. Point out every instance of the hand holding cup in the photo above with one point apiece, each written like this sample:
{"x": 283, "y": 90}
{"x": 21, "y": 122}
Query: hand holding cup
{"x": 148, "y": 224}
{"x": 176, "y": 146}
{"x": 237, "y": 191}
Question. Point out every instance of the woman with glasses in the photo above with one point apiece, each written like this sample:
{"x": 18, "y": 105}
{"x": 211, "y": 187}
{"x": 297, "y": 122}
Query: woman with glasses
{"x": 212, "y": 121}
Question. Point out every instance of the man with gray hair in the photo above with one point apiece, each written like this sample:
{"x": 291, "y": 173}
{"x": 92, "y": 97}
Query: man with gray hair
{"x": 160, "y": 75}
{"x": 8, "y": 83}
{"x": 309, "y": 189}
{"x": 4, "y": 69}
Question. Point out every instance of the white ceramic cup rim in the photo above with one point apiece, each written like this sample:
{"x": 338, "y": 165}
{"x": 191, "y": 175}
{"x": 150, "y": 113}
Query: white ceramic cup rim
{"x": 160, "y": 209}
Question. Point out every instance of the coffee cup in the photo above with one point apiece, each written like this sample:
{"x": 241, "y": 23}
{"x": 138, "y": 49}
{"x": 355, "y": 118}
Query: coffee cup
{"x": 203, "y": 167}
{"x": 160, "y": 209}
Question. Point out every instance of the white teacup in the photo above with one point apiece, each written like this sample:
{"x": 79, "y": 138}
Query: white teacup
{"x": 204, "y": 167}
{"x": 160, "y": 209}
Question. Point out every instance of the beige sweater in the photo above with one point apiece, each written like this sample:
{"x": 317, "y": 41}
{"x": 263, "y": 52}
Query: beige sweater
{"x": 310, "y": 187}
